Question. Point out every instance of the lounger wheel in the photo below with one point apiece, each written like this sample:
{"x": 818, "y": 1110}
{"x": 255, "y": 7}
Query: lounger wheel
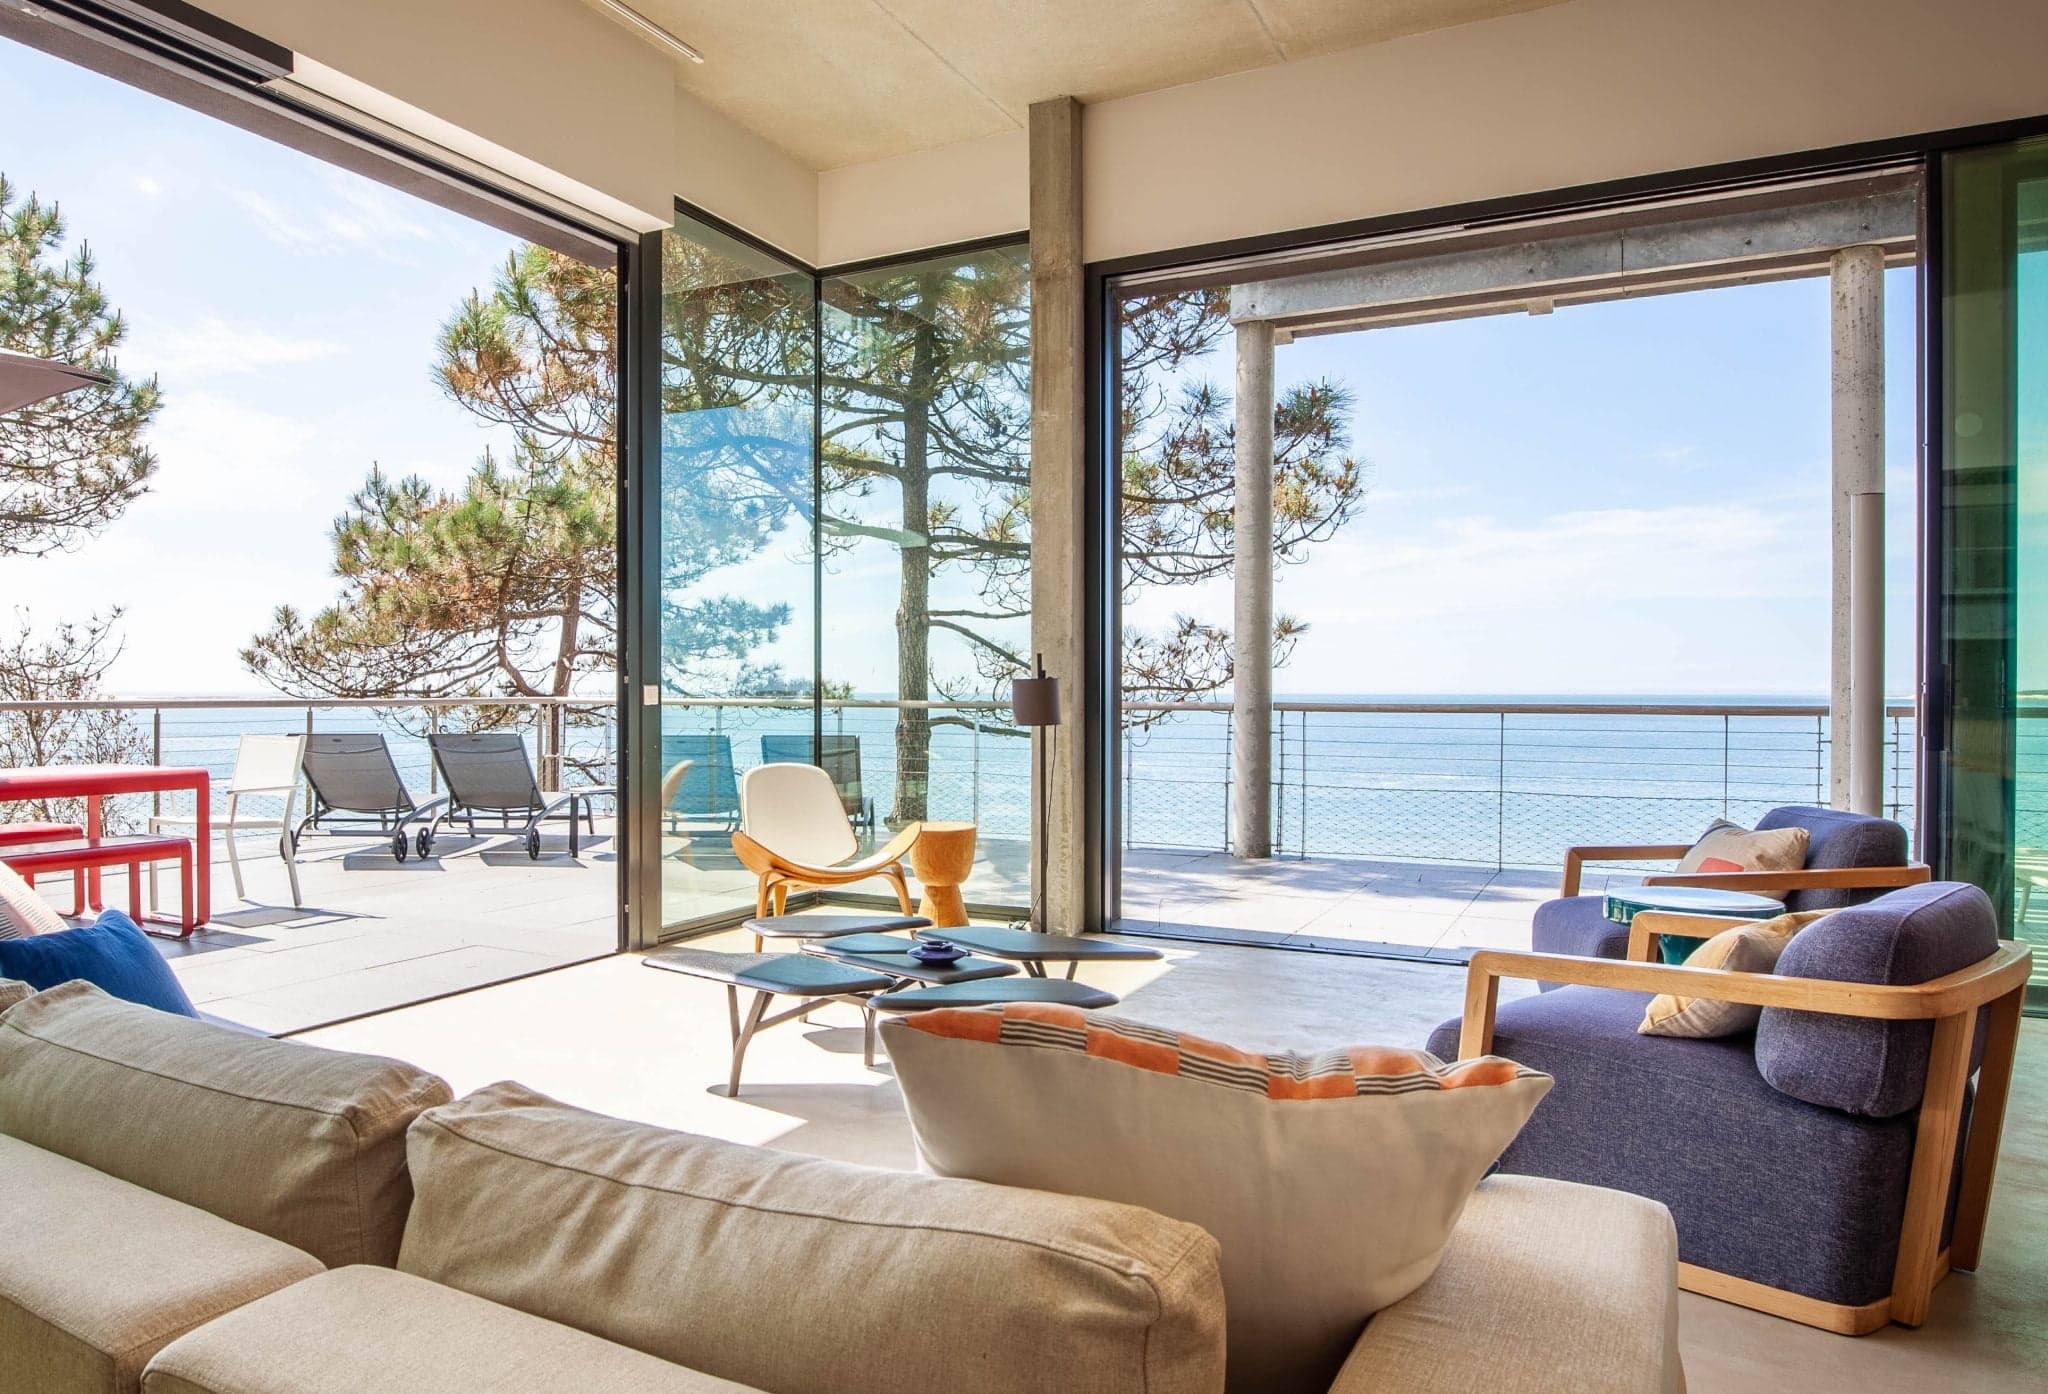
{"x": 399, "y": 847}
{"x": 533, "y": 843}
{"x": 426, "y": 842}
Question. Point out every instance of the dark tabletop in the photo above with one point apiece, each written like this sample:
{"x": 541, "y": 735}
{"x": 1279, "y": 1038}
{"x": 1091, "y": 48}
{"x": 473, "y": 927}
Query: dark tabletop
{"x": 888, "y": 953}
{"x": 798, "y": 975}
{"x": 1029, "y": 945}
{"x": 995, "y": 993}
{"x": 831, "y": 926}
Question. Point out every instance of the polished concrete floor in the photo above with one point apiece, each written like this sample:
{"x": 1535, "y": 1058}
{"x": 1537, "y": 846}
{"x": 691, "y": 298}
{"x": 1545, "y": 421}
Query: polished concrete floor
{"x": 617, "y": 1037}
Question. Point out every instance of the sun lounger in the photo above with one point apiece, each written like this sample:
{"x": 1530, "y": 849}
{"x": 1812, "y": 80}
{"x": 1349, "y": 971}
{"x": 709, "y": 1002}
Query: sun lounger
{"x": 491, "y": 788}
{"x": 356, "y": 788}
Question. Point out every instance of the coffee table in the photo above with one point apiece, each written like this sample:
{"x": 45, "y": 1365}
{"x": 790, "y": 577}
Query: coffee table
{"x": 1624, "y": 904}
{"x": 813, "y": 927}
{"x": 994, "y": 993}
{"x": 1034, "y": 950}
{"x": 890, "y": 953}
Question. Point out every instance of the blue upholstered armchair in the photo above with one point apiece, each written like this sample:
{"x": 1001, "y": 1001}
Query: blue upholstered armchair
{"x": 1850, "y": 858}
{"x": 1830, "y": 1165}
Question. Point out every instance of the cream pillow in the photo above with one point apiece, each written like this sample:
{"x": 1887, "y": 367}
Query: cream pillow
{"x": 12, "y": 992}
{"x": 1780, "y": 849}
{"x": 22, "y": 911}
{"x": 1332, "y": 1181}
{"x": 1750, "y": 948}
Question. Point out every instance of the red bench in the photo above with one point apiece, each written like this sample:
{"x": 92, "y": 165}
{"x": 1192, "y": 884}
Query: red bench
{"x": 79, "y": 855}
{"x": 14, "y": 834}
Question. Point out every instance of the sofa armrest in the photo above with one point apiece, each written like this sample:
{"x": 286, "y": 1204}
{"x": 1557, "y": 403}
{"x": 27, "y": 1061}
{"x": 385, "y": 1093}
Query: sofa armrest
{"x": 1547, "y": 1285}
{"x": 1575, "y": 859}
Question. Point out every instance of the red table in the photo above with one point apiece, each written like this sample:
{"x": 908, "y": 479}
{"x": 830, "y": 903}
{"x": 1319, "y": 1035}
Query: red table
{"x": 94, "y": 782}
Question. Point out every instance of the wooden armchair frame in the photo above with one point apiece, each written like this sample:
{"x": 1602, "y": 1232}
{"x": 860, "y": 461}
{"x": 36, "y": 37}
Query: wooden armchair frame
{"x": 1952, "y": 1003}
{"x": 1771, "y": 883}
{"x": 779, "y": 875}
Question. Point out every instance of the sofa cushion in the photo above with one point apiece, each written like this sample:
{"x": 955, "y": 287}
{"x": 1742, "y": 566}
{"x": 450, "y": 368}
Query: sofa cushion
{"x": 359, "y": 1329}
{"x": 97, "y": 1275}
{"x": 1776, "y": 848}
{"x": 1332, "y": 1181}
{"x": 12, "y": 991}
{"x": 1762, "y": 1186}
{"x": 801, "y": 1275}
{"x": 302, "y": 1144}
{"x": 1876, "y": 1068}
{"x": 1837, "y": 840}
{"x": 1749, "y": 948}
{"x": 1546, "y": 1286}
{"x": 23, "y": 912}
{"x": 113, "y": 954}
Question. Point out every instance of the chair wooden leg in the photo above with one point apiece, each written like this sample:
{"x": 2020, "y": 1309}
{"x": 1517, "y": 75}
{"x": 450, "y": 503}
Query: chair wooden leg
{"x": 1934, "y": 1150}
{"x": 894, "y": 876}
{"x": 781, "y": 894}
{"x": 761, "y": 898}
{"x": 1987, "y": 1122}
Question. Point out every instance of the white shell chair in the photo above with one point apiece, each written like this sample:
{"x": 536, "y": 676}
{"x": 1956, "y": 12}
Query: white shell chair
{"x": 265, "y": 767}
{"x": 794, "y": 832}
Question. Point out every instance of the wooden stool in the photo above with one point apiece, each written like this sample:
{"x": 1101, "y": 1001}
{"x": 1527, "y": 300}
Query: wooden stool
{"x": 941, "y": 859}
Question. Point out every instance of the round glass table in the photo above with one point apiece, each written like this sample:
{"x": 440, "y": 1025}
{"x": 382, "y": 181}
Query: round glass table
{"x": 1624, "y": 903}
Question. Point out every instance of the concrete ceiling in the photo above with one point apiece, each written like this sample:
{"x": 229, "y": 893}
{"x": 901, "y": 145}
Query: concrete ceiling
{"x": 840, "y": 82}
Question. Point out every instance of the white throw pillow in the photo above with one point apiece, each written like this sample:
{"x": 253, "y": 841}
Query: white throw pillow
{"x": 1779, "y": 849}
{"x": 1332, "y": 1181}
{"x": 22, "y": 911}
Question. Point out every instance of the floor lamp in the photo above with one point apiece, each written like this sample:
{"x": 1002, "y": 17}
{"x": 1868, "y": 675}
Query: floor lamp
{"x": 1035, "y": 705}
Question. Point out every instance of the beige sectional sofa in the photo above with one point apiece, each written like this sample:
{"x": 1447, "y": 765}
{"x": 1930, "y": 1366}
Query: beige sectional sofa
{"x": 189, "y": 1210}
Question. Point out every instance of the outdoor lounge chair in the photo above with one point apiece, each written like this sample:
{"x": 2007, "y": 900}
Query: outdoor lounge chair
{"x": 708, "y": 791}
{"x": 489, "y": 777}
{"x": 838, "y": 756}
{"x": 266, "y": 767}
{"x": 794, "y": 833}
{"x": 356, "y": 788}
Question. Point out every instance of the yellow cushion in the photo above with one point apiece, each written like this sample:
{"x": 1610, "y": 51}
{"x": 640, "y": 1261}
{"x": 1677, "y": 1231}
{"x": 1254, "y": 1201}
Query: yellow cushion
{"x": 1780, "y": 849}
{"x": 1750, "y": 948}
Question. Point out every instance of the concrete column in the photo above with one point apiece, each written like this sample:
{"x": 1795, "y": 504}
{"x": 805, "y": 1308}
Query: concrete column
{"x": 1058, "y": 491}
{"x": 1856, "y": 651}
{"x": 1251, "y": 750}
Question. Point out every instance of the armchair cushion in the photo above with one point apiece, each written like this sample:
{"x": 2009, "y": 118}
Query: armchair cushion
{"x": 1577, "y": 925}
{"x": 1766, "y": 849}
{"x": 1873, "y": 1068}
{"x": 1762, "y": 1186}
{"x": 1750, "y": 948}
{"x": 1838, "y": 840}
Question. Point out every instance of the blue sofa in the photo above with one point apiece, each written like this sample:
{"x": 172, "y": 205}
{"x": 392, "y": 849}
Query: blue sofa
{"x": 1859, "y": 857}
{"x": 1809, "y": 1164}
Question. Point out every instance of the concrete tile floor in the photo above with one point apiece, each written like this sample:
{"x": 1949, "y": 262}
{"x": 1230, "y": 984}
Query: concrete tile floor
{"x": 619, "y": 1038}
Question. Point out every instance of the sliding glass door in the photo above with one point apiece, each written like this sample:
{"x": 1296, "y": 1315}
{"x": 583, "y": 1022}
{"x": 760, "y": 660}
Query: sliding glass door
{"x": 1989, "y": 747}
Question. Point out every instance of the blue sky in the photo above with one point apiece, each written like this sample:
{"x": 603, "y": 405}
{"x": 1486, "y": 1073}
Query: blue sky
{"x": 289, "y": 309}
{"x": 1621, "y": 499}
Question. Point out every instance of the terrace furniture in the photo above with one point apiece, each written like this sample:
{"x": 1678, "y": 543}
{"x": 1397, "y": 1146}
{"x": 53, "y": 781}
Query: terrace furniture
{"x": 1810, "y": 1163}
{"x": 356, "y": 787}
{"x": 671, "y": 786}
{"x": 794, "y": 834}
{"x": 838, "y": 756}
{"x": 707, "y": 791}
{"x": 91, "y": 855}
{"x": 14, "y": 834}
{"x": 1034, "y": 948}
{"x": 812, "y": 927}
{"x": 942, "y": 860}
{"x": 93, "y": 783}
{"x": 996, "y": 993}
{"x": 889, "y": 953}
{"x": 265, "y": 767}
{"x": 488, "y": 774}
{"x": 1850, "y": 858}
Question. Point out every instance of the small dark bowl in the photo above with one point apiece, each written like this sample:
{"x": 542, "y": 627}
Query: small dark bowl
{"x": 938, "y": 952}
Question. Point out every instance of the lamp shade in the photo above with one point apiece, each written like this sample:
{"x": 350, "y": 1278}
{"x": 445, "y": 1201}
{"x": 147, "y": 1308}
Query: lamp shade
{"x": 1035, "y": 701}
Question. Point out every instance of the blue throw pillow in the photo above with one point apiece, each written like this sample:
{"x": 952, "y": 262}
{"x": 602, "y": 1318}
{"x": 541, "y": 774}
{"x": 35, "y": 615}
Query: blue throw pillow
{"x": 112, "y": 954}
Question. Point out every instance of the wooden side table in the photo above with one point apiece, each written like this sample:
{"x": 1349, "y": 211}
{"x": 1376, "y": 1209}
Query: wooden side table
{"x": 942, "y": 859}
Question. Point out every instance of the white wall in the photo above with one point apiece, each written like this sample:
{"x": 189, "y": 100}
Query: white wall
{"x": 956, "y": 193}
{"x": 1580, "y": 93}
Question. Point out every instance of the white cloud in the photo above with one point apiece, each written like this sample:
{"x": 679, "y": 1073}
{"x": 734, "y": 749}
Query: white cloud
{"x": 355, "y": 215}
{"x": 147, "y": 186}
{"x": 212, "y": 347}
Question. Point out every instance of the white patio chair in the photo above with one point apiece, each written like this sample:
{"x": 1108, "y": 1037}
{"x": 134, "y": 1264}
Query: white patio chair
{"x": 265, "y": 767}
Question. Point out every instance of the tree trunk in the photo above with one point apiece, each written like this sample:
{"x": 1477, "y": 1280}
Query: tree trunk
{"x": 913, "y": 605}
